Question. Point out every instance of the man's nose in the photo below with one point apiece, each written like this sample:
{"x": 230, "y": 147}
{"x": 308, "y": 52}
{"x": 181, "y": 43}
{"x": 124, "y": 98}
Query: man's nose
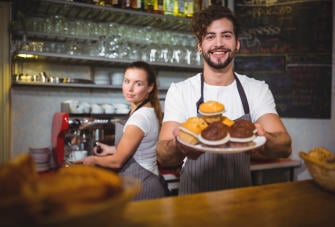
{"x": 219, "y": 41}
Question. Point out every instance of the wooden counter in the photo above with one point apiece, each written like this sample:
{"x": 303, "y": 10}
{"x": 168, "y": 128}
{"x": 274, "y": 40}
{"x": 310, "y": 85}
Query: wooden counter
{"x": 298, "y": 203}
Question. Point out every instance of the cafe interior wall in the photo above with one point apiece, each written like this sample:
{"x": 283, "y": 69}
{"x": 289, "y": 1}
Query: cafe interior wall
{"x": 32, "y": 111}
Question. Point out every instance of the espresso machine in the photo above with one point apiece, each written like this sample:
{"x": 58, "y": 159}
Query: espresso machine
{"x": 80, "y": 132}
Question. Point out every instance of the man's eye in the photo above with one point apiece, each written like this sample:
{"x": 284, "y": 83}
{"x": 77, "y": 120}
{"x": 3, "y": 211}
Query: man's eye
{"x": 210, "y": 37}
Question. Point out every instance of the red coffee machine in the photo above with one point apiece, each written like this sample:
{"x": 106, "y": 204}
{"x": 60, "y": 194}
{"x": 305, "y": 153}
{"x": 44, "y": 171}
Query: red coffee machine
{"x": 60, "y": 124}
{"x": 72, "y": 132}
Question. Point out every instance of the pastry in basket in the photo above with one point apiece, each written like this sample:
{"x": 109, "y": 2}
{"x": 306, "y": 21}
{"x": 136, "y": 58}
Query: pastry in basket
{"x": 216, "y": 134}
{"x": 29, "y": 199}
{"x": 242, "y": 131}
{"x": 321, "y": 165}
{"x": 211, "y": 111}
{"x": 190, "y": 130}
{"x": 18, "y": 177}
{"x": 320, "y": 154}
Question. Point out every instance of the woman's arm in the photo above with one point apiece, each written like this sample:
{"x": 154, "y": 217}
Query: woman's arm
{"x": 127, "y": 146}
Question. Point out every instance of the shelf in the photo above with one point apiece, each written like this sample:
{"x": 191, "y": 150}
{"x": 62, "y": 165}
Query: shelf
{"x": 84, "y": 11}
{"x": 92, "y": 60}
{"x": 70, "y": 85}
{"x": 27, "y": 37}
{"x": 52, "y": 36}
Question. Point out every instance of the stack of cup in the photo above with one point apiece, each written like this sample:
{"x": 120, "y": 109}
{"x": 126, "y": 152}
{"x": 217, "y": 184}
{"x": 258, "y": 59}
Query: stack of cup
{"x": 41, "y": 157}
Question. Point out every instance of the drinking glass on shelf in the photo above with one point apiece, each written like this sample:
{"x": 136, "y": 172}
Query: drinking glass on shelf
{"x": 153, "y": 52}
{"x": 101, "y": 46}
{"x": 36, "y": 46}
{"x": 144, "y": 53}
{"x": 72, "y": 47}
{"x": 196, "y": 58}
{"x": 164, "y": 54}
{"x": 57, "y": 23}
{"x": 124, "y": 50}
{"x": 112, "y": 29}
{"x": 134, "y": 52}
{"x": 60, "y": 48}
{"x": 81, "y": 29}
{"x": 113, "y": 47}
{"x": 90, "y": 48}
{"x": 187, "y": 58}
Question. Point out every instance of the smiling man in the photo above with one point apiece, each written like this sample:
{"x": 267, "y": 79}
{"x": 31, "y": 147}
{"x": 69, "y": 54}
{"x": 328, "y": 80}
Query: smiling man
{"x": 217, "y": 32}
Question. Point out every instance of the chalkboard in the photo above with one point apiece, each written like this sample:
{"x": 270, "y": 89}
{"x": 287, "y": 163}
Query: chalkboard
{"x": 289, "y": 45}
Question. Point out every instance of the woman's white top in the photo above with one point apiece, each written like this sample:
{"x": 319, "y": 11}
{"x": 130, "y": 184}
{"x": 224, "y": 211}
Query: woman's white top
{"x": 145, "y": 155}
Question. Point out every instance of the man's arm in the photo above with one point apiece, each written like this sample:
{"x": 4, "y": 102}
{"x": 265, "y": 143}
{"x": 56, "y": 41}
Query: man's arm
{"x": 278, "y": 141}
{"x": 168, "y": 153}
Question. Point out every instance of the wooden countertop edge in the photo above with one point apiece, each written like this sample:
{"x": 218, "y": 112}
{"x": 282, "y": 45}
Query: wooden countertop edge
{"x": 285, "y": 204}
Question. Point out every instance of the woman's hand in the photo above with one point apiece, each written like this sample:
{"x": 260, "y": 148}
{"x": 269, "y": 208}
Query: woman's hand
{"x": 89, "y": 160}
{"x": 101, "y": 149}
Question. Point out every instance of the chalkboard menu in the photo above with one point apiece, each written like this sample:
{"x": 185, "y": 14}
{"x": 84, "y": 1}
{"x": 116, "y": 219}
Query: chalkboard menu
{"x": 289, "y": 45}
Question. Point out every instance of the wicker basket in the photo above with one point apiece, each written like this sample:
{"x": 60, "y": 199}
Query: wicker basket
{"x": 323, "y": 172}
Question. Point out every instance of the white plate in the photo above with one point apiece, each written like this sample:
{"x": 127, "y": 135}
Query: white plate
{"x": 257, "y": 142}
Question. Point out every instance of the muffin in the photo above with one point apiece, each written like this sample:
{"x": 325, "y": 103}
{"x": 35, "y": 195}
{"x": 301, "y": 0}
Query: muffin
{"x": 242, "y": 131}
{"x": 211, "y": 111}
{"x": 216, "y": 134}
{"x": 191, "y": 129}
{"x": 227, "y": 121}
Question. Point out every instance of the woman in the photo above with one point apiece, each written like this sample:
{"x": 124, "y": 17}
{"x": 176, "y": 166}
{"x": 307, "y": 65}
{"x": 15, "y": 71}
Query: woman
{"x": 135, "y": 153}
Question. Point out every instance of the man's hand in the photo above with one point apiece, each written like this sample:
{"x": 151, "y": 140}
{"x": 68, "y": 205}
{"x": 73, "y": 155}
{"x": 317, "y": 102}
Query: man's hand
{"x": 189, "y": 152}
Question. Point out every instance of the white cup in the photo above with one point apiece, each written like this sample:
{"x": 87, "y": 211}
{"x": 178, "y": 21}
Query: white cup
{"x": 117, "y": 79}
{"x": 77, "y": 155}
{"x": 108, "y": 108}
{"x": 97, "y": 109}
{"x": 40, "y": 155}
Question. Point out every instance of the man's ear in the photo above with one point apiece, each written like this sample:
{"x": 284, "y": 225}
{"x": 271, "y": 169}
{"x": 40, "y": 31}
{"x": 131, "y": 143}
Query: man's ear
{"x": 199, "y": 48}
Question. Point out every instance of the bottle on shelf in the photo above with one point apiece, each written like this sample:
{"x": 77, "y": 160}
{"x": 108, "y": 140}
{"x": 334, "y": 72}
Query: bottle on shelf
{"x": 159, "y": 6}
{"x": 178, "y": 9}
{"x": 137, "y": 4}
{"x": 99, "y": 2}
{"x": 168, "y": 7}
{"x": 189, "y": 8}
{"x": 126, "y": 4}
{"x": 149, "y": 6}
{"x": 116, "y": 3}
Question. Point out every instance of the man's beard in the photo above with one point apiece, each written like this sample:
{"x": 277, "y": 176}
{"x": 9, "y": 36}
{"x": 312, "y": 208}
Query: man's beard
{"x": 219, "y": 65}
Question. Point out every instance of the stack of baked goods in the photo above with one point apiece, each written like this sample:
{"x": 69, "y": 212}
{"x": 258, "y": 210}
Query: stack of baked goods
{"x": 213, "y": 129}
{"x": 75, "y": 195}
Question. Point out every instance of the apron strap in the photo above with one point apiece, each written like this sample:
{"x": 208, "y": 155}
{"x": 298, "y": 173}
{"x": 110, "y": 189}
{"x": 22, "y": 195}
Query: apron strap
{"x": 242, "y": 95}
{"x": 201, "y": 99}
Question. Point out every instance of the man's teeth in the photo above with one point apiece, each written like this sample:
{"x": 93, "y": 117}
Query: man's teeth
{"x": 219, "y": 52}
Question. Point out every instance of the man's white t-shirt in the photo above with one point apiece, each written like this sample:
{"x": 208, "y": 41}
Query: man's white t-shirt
{"x": 145, "y": 155}
{"x": 181, "y": 98}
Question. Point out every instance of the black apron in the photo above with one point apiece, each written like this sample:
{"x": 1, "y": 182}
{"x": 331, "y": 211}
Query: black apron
{"x": 153, "y": 186}
{"x": 211, "y": 171}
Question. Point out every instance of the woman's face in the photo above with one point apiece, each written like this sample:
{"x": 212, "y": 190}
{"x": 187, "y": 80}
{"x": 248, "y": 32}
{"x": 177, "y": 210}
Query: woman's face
{"x": 135, "y": 86}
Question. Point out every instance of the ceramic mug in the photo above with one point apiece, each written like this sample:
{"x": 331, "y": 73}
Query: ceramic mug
{"x": 77, "y": 155}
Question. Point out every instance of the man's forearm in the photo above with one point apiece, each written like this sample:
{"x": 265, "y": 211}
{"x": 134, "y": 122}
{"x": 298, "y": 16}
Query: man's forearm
{"x": 168, "y": 154}
{"x": 278, "y": 145}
